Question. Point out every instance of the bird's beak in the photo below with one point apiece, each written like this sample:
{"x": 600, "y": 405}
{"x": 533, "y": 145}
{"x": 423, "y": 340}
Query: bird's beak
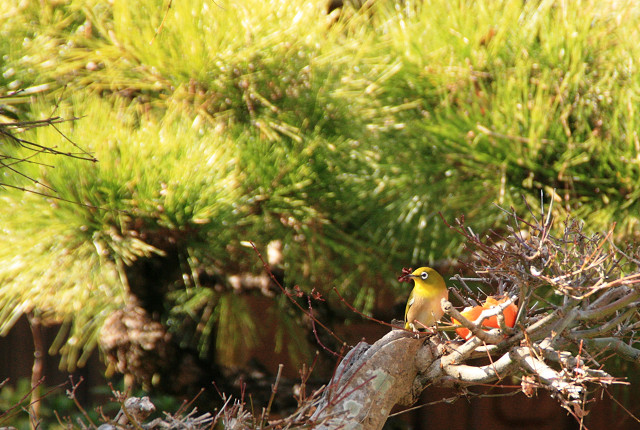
{"x": 406, "y": 276}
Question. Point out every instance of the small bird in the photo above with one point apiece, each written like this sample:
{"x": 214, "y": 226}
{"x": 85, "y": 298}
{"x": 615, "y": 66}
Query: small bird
{"x": 424, "y": 301}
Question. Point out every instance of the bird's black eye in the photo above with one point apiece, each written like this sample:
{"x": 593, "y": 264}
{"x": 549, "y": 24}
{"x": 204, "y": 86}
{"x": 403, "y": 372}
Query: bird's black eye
{"x": 424, "y": 275}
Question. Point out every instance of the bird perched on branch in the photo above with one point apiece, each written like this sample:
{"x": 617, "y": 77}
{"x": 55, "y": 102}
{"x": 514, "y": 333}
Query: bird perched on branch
{"x": 423, "y": 307}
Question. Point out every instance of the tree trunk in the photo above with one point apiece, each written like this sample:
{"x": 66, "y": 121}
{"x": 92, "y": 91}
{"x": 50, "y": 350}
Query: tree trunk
{"x": 371, "y": 379}
{"x": 37, "y": 370}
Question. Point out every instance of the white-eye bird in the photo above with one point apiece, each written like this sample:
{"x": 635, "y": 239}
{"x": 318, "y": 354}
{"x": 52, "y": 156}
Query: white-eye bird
{"x": 424, "y": 301}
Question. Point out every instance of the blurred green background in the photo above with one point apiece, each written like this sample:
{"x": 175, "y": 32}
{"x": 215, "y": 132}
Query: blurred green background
{"x": 332, "y": 137}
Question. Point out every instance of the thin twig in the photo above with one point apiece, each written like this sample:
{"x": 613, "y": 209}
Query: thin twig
{"x": 71, "y": 393}
{"x": 286, "y": 293}
{"x": 161, "y": 26}
{"x": 274, "y": 389}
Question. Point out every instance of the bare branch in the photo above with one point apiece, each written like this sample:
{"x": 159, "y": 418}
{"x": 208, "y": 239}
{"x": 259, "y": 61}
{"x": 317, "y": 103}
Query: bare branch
{"x": 618, "y": 346}
{"x": 475, "y": 375}
{"x": 473, "y": 327}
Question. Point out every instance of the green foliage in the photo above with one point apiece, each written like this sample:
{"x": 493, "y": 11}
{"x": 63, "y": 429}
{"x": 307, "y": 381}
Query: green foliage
{"x": 512, "y": 98}
{"x": 342, "y": 136}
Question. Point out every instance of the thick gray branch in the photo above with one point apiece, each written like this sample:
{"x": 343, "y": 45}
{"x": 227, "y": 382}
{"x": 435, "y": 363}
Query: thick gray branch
{"x": 622, "y": 349}
{"x": 599, "y": 310}
{"x": 371, "y": 380}
{"x": 473, "y": 375}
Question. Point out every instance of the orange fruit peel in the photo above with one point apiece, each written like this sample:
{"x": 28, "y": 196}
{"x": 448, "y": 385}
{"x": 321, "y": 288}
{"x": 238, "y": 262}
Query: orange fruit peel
{"x": 472, "y": 314}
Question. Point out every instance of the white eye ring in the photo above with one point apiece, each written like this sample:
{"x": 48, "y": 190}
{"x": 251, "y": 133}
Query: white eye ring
{"x": 424, "y": 276}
